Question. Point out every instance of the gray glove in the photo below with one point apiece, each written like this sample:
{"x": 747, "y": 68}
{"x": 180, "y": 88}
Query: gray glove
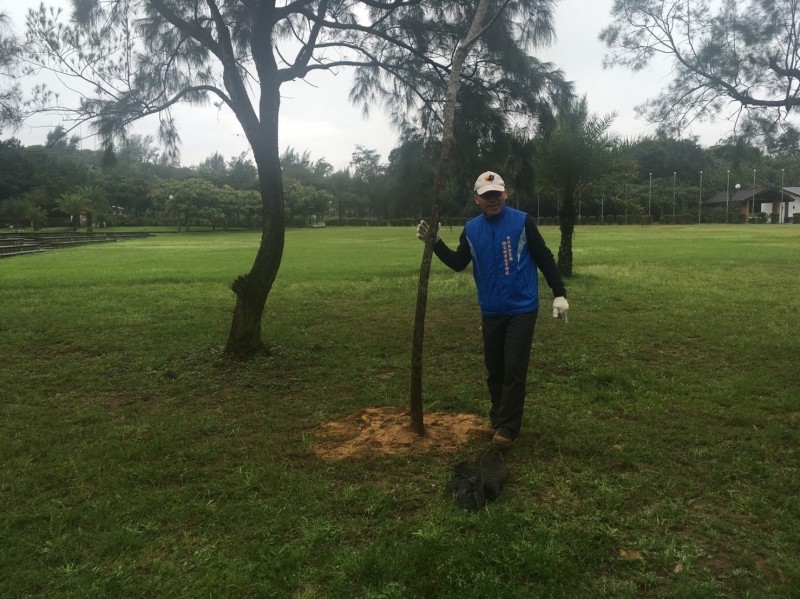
{"x": 423, "y": 228}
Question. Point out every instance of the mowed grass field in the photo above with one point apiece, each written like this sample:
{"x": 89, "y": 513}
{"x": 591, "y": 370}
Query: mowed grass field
{"x": 659, "y": 456}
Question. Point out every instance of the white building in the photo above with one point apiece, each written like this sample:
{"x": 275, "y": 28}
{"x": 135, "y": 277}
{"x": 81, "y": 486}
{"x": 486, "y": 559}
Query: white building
{"x": 790, "y": 205}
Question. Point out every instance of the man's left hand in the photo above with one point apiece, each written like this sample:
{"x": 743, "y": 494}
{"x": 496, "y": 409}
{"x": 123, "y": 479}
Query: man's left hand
{"x": 560, "y": 308}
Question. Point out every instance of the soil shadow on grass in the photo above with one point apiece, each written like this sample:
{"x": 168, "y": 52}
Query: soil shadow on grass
{"x": 376, "y": 432}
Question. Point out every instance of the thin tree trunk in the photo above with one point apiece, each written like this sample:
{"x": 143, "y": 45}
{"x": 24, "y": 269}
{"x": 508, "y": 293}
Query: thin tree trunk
{"x": 567, "y": 216}
{"x": 417, "y": 417}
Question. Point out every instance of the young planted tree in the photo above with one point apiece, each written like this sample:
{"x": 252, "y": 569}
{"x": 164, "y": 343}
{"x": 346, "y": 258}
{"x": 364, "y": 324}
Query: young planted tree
{"x": 143, "y": 57}
{"x": 482, "y": 21}
{"x": 460, "y": 56}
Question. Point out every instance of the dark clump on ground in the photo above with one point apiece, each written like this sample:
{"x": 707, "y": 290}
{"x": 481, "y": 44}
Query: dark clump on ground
{"x": 475, "y": 483}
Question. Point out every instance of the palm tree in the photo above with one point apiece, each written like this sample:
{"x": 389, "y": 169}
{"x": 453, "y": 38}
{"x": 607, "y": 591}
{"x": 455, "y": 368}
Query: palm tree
{"x": 73, "y": 204}
{"x": 96, "y": 202}
{"x": 580, "y": 153}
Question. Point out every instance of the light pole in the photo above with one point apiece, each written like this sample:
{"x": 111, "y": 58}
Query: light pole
{"x": 754, "y": 190}
{"x": 728, "y": 196}
{"x": 650, "y": 194}
{"x": 780, "y": 209}
{"x": 171, "y": 199}
{"x": 674, "y": 176}
{"x": 700, "y": 202}
{"x": 626, "y": 202}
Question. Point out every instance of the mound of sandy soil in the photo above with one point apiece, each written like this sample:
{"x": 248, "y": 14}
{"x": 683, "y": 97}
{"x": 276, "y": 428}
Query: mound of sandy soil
{"x": 387, "y": 431}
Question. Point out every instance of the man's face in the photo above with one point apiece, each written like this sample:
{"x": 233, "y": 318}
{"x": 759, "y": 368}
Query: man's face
{"x": 492, "y": 202}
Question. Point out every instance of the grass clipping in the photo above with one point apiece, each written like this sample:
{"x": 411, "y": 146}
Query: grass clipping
{"x": 378, "y": 432}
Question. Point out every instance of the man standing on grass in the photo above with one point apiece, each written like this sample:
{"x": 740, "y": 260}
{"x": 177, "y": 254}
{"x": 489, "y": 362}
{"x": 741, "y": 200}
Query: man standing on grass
{"x": 505, "y": 248}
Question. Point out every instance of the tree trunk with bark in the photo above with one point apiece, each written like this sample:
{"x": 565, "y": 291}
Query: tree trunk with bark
{"x": 567, "y": 217}
{"x": 253, "y": 288}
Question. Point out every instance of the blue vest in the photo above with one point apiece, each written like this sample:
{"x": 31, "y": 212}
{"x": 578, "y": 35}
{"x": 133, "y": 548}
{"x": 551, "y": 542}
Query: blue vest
{"x": 505, "y": 274}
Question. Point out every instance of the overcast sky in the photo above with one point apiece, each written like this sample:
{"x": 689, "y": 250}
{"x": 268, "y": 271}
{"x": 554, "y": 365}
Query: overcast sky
{"x": 317, "y": 116}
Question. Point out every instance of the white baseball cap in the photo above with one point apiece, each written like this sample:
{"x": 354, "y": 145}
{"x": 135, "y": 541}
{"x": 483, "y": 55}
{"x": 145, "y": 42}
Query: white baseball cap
{"x": 489, "y": 181}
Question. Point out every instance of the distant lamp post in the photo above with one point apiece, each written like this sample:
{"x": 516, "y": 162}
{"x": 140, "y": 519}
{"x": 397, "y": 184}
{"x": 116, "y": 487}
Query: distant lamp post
{"x": 171, "y": 199}
{"x": 728, "y": 196}
{"x": 754, "y": 191}
{"x": 700, "y": 202}
{"x": 674, "y": 177}
{"x": 737, "y": 187}
{"x": 650, "y": 194}
{"x": 780, "y": 208}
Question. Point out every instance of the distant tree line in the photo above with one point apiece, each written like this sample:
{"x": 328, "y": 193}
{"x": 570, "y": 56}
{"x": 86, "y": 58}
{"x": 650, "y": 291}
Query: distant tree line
{"x": 59, "y": 184}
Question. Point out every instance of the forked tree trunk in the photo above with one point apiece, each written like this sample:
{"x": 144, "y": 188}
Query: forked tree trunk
{"x": 475, "y": 30}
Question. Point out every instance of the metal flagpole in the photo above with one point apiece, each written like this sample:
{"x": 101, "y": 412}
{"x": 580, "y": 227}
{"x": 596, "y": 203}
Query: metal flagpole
{"x": 728, "y": 196}
{"x": 674, "y": 176}
{"x": 700, "y": 202}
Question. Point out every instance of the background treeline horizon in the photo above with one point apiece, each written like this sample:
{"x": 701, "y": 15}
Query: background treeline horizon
{"x": 56, "y": 183}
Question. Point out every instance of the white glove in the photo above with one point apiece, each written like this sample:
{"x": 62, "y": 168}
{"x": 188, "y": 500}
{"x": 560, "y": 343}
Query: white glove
{"x": 422, "y": 231}
{"x": 560, "y": 307}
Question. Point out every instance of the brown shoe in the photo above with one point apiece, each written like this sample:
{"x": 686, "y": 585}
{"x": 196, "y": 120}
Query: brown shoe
{"x": 486, "y": 432}
{"x": 502, "y": 440}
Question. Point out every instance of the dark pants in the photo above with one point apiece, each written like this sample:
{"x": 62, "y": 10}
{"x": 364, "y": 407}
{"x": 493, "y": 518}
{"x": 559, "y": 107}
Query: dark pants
{"x": 507, "y": 344}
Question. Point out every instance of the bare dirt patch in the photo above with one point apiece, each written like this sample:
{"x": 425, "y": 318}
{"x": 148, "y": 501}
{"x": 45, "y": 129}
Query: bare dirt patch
{"x": 387, "y": 431}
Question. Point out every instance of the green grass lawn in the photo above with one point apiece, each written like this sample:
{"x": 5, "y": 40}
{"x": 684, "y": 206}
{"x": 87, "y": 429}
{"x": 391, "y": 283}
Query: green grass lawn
{"x": 659, "y": 456}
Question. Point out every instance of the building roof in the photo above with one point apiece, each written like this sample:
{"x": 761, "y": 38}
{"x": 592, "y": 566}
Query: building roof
{"x": 759, "y": 194}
